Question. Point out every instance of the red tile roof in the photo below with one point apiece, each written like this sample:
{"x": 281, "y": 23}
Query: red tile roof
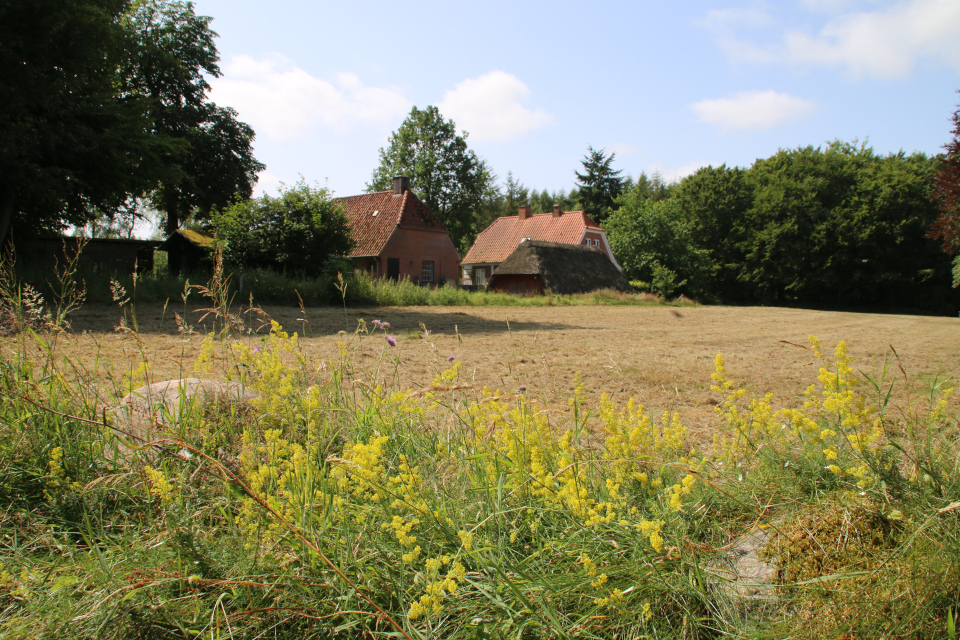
{"x": 498, "y": 241}
{"x": 373, "y": 217}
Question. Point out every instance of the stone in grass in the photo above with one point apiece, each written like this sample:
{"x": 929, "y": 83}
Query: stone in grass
{"x": 754, "y": 577}
{"x": 746, "y": 580}
{"x": 151, "y": 409}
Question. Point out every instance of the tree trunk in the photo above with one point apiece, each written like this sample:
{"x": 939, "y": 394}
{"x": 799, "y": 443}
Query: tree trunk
{"x": 175, "y": 251}
{"x": 6, "y": 217}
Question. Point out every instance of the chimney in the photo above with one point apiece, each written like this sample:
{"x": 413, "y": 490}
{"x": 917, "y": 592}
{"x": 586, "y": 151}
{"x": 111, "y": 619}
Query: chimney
{"x": 400, "y": 184}
{"x": 557, "y": 212}
{"x": 524, "y": 212}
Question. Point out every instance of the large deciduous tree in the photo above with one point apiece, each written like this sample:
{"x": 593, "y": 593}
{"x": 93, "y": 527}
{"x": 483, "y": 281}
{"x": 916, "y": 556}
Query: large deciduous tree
{"x": 70, "y": 146}
{"x": 103, "y": 102}
{"x": 599, "y": 184}
{"x": 209, "y": 159}
{"x": 444, "y": 173}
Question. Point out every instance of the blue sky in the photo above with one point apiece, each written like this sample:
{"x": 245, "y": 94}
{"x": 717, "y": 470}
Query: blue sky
{"x": 668, "y": 86}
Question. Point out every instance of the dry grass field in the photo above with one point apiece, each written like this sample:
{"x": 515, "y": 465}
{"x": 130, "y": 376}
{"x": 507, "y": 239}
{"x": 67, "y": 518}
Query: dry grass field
{"x": 661, "y": 356}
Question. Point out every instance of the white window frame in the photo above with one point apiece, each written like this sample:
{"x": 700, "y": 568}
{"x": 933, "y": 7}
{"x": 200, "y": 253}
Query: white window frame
{"x": 424, "y": 277}
{"x": 479, "y": 276}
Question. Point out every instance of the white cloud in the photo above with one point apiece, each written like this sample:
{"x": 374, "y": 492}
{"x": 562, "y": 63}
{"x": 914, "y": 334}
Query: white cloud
{"x": 752, "y": 110}
{"x": 832, "y": 6}
{"x": 281, "y": 101}
{"x": 268, "y": 184}
{"x": 883, "y": 44}
{"x": 886, "y": 42}
{"x": 623, "y": 149}
{"x": 491, "y": 107}
{"x": 672, "y": 174}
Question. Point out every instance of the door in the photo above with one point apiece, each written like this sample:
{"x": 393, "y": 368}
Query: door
{"x": 393, "y": 268}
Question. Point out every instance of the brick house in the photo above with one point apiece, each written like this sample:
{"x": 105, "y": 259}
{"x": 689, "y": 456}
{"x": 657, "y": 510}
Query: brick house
{"x": 498, "y": 241}
{"x": 396, "y": 236}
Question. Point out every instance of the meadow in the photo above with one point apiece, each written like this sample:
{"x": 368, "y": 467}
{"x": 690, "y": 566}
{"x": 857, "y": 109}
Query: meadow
{"x": 482, "y": 472}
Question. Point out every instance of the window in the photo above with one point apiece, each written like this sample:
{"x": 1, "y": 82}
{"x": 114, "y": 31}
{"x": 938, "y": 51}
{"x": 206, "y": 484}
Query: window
{"x": 479, "y": 277}
{"x": 426, "y": 271}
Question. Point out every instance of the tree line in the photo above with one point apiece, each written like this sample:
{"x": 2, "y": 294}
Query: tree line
{"x": 838, "y": 226}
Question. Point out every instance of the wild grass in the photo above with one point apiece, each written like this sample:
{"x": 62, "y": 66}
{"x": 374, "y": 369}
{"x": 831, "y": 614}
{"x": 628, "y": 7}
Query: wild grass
{"x": 336, "y": 504}
{"x": 265, "y": 287}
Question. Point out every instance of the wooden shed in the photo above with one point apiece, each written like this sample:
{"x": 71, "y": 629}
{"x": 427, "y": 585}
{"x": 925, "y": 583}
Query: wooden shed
{"x": 107, "y": 255}
{"x": 187, "y": 250}
{"x": 535, "y": 267}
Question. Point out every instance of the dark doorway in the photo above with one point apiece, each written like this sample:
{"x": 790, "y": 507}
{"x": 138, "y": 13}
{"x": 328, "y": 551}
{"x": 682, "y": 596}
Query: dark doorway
{"x": 393, "y": 268}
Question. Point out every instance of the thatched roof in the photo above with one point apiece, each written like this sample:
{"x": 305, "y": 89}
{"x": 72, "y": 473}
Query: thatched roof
{"x": 564, "y": 268}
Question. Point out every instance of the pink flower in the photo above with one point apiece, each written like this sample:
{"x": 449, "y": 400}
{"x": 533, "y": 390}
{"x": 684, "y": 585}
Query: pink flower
{"x": 449, "y": 358}
{"x": 391, "y": 341}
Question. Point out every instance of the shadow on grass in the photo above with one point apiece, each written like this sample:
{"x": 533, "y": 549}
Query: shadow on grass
{"x": 311, "y": 322}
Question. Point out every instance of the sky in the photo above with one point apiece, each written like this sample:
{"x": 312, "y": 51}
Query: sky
{"x": 667, "y": 86}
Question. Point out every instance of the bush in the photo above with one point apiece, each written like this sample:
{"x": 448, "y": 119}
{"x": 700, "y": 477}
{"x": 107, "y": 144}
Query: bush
{"x": 296, "y": 232}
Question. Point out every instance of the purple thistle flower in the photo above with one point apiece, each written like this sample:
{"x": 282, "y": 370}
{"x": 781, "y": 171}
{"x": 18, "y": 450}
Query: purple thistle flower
{"x": 385, "y": 325}
{"x": 255, "y": 349}
{"x": 391, "y": 341}
{"x": 523, "y": 387}
{"x": 449, "y": 358}
{"x": 378, "y": 324}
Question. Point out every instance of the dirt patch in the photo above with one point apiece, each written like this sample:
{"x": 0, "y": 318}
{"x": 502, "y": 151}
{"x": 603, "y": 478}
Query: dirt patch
{"x": 662, "y": 356}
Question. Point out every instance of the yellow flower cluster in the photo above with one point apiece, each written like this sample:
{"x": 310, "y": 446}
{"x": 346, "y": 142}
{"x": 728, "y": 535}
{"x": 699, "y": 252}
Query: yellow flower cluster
{"x": 159, "y": 486}
{"x": 401, "y": 528}
{"x": 438, "y": 588}
{"x": 362, "y": 473}
{"x": 273, "y": 467}
{"x": 836, "y": 421}
{"x": 57, "y": 478}
{"x": 18, "y": 588}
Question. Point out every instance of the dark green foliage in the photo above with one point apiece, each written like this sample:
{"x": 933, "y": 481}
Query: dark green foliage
{"x": 652, "y": 240}
{"x": 210, "y": 159}
{"x": 297, "y": 231}
{"x": 500, "y": 201}
{"x": 715, "y": 201}
{"x": 599, "y": 184}
{"x": 842, "y": 226}
{"x": 103, "y": 103}
{"x": 69, "y": 145}
{"x": 838, "y": 227}
{"x": 446, "y": 175}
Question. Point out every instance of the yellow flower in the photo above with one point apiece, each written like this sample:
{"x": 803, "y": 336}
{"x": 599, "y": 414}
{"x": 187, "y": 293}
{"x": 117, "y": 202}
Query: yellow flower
{"x": 467, "y": 539}
{"x": 646, "y": 612}
{"x": 158, "y": 485}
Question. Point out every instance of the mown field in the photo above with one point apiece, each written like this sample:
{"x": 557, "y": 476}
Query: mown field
{"x": 662, "y": 356}
{"x": 466, "y": 472}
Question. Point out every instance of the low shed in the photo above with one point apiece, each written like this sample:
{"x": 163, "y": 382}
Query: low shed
{"x": 187, "y": 251}
{"x": 107, "y": 255}
{"x": 535, "y": 267}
